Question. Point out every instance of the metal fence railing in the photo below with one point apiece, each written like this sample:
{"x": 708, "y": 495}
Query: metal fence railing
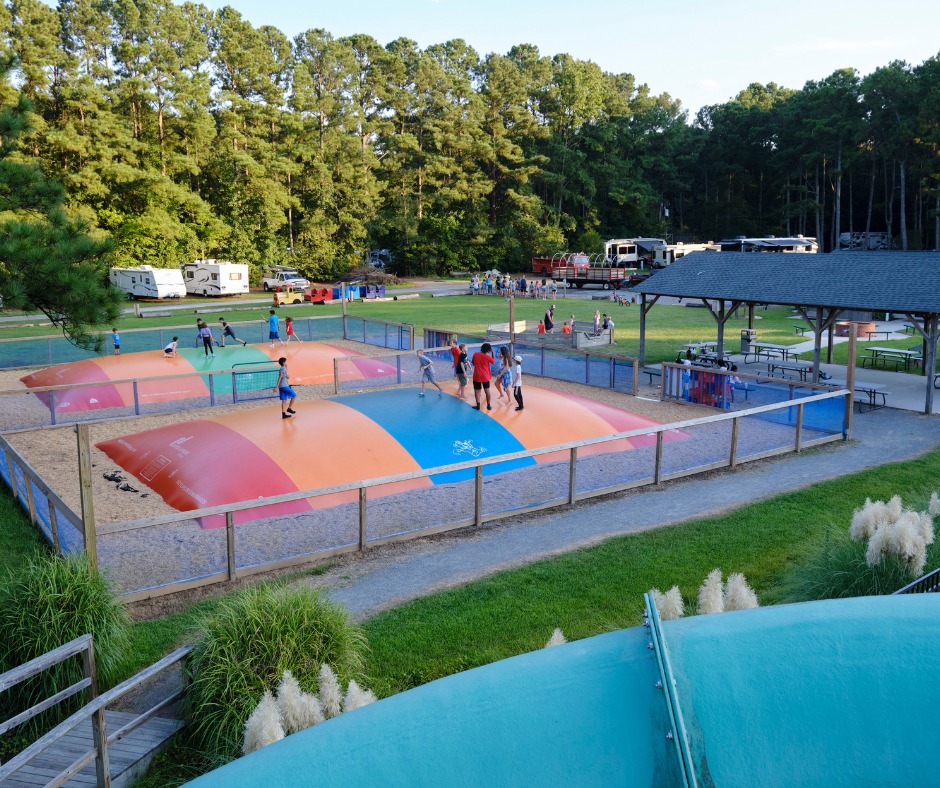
{"x": 588, "y": 367}
{"x": 49, "y": 350}
{"x": 359, "y": 515}
{"x": 736, "y": 391}
{"x": 928, "y": 584}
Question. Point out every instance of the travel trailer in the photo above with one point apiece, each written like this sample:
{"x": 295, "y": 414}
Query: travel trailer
{"x": 664, "y": 254}
{"x": 148, "y": 282}
{"x": 770, "y": 243}
{"x": 215, "y": 278}
{"x": 630, "y": 252}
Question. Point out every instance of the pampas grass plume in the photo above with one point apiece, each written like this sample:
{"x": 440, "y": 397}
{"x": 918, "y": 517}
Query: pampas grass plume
{"x": 670, "y": 604}
{"x": 263, "y": 727}
{"x": 933, "y": 508}
{"x": 711, "y": 594}
{"x": 738, "y": 594}
{"x": 331, "y": 695}
{"x": 289, "y": 703}
{"x": 354, "y": 697}
{"x": 557, "y": 639}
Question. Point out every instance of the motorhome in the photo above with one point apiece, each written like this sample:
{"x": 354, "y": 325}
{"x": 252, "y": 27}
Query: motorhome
{"x": 215, "y": 278}
{"x": 770, "y": 243}
{"x": 630, "y": 252}
{"x": 664, "y": 254}
{"x": 148, "y": 282}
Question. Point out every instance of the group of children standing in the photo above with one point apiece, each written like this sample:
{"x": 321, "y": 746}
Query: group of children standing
{"x": 504, "y": 373}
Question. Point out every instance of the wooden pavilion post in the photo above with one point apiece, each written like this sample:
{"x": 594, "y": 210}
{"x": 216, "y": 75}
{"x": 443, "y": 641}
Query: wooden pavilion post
{"x": 850, "y": 379}
{"x": 930, "y": 360}
{"x": 641, "y": 356}
{"x": 750, "y": 315}
{"x": 817, "y": 342}
{"x": 721, "y": 326}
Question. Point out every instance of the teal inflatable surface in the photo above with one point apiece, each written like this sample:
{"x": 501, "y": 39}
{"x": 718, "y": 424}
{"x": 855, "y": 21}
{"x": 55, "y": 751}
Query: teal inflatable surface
{"x": 837, "y": 693}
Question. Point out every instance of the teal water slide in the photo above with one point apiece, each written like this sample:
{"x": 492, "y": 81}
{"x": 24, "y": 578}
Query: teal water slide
{"x": 838, "y": 693}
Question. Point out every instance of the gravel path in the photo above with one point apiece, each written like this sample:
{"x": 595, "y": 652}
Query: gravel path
{"x": 389, "y": 576}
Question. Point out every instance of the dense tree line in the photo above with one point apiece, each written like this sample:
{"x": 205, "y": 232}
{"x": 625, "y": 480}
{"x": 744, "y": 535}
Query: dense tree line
{"x": 180, "y": 132}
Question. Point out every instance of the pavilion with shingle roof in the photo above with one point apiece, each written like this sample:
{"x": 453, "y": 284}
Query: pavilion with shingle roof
{"x": 820, "y": 286}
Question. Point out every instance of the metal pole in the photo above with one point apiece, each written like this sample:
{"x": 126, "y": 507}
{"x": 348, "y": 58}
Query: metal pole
{"x": 87, "y": 498}
{"x": 641, "y": 358}
{"x": 137, "y": 399}
{"x": 342, "y": 298}
{"x": 512, "y": 320}
{"x": 52, "y": 406}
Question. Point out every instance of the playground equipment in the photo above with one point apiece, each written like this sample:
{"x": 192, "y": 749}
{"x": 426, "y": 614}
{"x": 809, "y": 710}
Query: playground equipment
{"x": 383, "y": 433}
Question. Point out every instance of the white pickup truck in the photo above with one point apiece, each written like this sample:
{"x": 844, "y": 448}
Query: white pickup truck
{"x": 283, "y": 276}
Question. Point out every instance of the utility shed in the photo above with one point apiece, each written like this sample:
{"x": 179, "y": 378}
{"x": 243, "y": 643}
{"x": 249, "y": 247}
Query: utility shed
{"x": 820, "y": 286}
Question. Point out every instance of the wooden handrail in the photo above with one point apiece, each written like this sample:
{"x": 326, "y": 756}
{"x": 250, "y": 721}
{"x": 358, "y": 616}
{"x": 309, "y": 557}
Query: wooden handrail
{"x": 29, "y": 669}
{"x": 92, "y": 707}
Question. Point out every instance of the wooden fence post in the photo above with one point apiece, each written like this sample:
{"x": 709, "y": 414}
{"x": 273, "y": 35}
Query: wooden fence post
{"x": 87, "y": 498}
{"x": 230, "y": 545}
{"x": 478, "y": 496}
{"x": 799, "y": 426}
{"x": 572, "y": 475}
{"x": 658, "y": 472}
{"x": 733, "y": 459}
{"x": 363, "y": 521}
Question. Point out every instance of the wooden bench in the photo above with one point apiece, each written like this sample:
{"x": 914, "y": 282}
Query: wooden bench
{"x": 872, "y": 334}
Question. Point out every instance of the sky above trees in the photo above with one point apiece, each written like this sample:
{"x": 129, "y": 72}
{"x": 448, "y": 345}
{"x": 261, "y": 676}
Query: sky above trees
{"x": 699, "y": 52}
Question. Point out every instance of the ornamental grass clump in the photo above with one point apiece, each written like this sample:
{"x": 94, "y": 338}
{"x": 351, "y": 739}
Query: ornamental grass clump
{"x": 44, "y": 605}
{"x": 247, "y": 645}
{"x": 888, "y": 546}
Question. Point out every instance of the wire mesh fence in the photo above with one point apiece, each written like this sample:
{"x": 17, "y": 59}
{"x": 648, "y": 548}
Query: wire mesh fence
{"x": 177, "y": 551}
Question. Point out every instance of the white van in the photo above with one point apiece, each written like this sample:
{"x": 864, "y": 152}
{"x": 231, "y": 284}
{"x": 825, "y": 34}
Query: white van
{"x": 215, "y": 278}
{"x": 148, "y": 282}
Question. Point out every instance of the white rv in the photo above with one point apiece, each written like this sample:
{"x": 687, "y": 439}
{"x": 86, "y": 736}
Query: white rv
{"x": 664, "y": 254}
{"x": 630, "y": 252}
{"x": 215, "y": 278}
{"x": 148, "y": 282}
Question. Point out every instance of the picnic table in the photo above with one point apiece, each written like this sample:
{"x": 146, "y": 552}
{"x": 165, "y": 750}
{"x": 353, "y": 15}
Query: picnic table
{"x": 696, "y": 346}
{"x": 872, "y": 392}
{"x": 713, "y": 357}
{"x": 801, "y": 368}
{"x": 801, "y": 330}
{"x": 652, "y": 372}
{"x": 910, "y": 328}
{"x": 889, "y": 355}
{"x": 771, "y": 351}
